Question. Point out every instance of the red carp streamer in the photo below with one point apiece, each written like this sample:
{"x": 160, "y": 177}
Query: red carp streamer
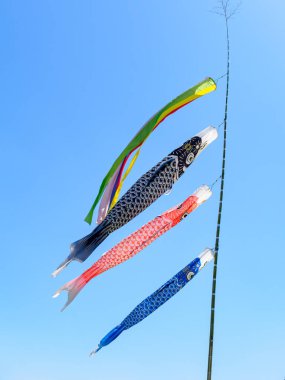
{"x": 136, "y": 242}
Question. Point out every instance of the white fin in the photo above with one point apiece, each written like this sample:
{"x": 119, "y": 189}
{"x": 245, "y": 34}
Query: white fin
{"x": 72, "y": 287}
{"x": 61, "y": 267}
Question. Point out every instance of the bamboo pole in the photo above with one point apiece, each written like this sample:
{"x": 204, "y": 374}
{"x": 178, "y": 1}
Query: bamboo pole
{"x": 223, "y": 10}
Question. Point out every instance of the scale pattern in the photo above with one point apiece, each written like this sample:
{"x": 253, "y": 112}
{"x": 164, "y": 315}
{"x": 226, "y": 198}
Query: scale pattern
{"x": 142, "y": 193}
{"x": 141, "y": 238}
{"x": 163, "y": 294}
{"x": 129, "y": 246}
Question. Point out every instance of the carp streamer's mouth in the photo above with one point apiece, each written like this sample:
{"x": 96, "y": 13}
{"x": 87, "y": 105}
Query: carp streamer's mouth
{"x": 208, "y": 135}
{"x": 203, "y": 193}
{"x": 206, "y": 256}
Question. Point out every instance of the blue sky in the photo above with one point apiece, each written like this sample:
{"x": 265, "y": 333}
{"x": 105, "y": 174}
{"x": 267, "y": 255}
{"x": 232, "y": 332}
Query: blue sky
{"x": 78, "y": 79}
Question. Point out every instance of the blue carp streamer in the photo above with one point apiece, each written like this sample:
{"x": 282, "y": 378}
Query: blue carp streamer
{"x": 159, "y": 297}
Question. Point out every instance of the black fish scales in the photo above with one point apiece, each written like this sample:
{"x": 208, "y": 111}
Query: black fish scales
{"x": 142, "y": 193}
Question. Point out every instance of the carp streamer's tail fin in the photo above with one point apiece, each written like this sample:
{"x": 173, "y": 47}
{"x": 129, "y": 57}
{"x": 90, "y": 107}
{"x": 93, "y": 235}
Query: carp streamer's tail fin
{"x": 75, "y": 286}
{"x": 112, "y": 335}
{"x": 72, "y": 287}
{"x": 82, "y": 249}
{"x": 62, "y": 266}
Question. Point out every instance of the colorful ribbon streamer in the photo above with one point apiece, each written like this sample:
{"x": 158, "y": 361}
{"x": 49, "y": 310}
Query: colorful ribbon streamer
{"x": 113, "y": 181}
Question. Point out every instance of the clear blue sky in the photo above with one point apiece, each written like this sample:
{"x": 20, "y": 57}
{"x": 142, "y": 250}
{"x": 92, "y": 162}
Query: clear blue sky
{"x": 78, "y": 79}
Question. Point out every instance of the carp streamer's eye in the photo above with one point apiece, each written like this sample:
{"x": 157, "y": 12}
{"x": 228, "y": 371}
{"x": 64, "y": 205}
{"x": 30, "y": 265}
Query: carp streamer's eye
{"x": 189, "y": 158}
{"x": 190, "y": 275}
{"x": 184, "y": 216}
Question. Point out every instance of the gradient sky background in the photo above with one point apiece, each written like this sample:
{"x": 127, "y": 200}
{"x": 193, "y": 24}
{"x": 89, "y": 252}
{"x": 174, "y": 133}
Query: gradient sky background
{"x": 78, "y": 79}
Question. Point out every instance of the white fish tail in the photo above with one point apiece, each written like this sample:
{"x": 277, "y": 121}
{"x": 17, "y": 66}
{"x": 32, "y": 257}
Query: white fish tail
{"x": 72, "y": 287}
